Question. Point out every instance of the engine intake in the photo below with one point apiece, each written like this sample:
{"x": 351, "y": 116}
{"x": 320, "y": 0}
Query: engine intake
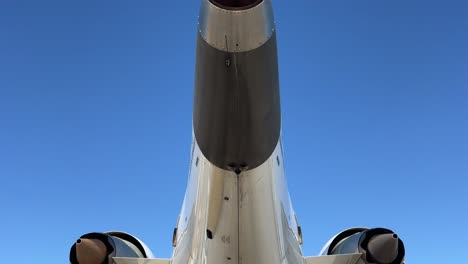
{"x": 236, "y": 4}
{"x": 377, "y": 245}
{"x": 98, "y": 248}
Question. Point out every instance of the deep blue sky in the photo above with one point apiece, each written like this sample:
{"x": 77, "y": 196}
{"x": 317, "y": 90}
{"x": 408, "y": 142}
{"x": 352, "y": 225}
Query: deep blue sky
{"x": 95, "y": 121}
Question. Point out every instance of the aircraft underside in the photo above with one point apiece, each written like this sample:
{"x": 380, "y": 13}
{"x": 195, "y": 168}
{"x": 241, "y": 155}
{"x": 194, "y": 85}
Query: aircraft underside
{"x": 237, "y": 209}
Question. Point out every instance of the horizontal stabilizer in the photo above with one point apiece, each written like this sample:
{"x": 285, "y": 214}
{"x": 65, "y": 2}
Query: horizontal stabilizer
{"x": 141, "y": 261}
{"x": 334, "y": 259}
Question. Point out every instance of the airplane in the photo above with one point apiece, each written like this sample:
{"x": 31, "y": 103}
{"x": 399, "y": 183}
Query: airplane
{"x": 237, "y": 208}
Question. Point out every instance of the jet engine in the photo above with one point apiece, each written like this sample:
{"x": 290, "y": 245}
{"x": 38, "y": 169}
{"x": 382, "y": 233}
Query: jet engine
{"x": 377, "y": 245}
{"x": 100, "y": 248}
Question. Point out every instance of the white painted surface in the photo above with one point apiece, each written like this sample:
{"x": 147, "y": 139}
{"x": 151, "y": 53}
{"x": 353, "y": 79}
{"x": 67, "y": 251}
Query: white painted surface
{"x": 250, "y": 216}
{"x": 140, "y": 261}
{"x": 335, "y": 259}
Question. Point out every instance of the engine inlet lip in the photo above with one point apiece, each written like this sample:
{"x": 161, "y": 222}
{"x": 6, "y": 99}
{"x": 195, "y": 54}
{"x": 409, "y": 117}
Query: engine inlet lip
{"x": 344, "y": 235}
{"x": 230, "y": 4}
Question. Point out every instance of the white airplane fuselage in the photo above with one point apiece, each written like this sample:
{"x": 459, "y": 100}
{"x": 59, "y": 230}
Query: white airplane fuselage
{"x": 237, "y": 208}
{"x": 249, "y": 215}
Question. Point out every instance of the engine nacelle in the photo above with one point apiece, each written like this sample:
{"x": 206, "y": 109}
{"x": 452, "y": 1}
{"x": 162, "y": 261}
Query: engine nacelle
{"x": 97, "y": 248}
{"x": 377, "y": 245}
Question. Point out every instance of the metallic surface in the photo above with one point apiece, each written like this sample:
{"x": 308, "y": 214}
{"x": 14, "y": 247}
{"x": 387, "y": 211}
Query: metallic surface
{"x": 90, "y": 251}
{"x": 123, "y": 248}
{"x": 236, "y": 30}
{"x": 210, "y": 203}
{"x": 237, "y": 208}
{"x": 383, "y": 248}
{"x": 237, "y": 118}
{"x": 142, "y": 247}
{"x": 236, "y": 4}
{"x": 331, "y": 244}
{"x": 93, "y": 247}
{"x": 377, "y": 245}
{"x": 335, "y": 259}
{"x": 249, "y": 215}
{"x": 348, "y": 245}
{"x": 140, "y": 261}
{"x": 267, "y": 223}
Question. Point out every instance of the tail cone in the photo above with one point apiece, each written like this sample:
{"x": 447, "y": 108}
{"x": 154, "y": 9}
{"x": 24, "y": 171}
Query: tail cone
{"x": 383, "y": 248}
{"x": 90, "y": 251}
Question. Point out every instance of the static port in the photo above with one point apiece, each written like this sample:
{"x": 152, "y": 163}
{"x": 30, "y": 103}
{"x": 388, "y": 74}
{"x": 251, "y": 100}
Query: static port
{"x": 209, "y": 234}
